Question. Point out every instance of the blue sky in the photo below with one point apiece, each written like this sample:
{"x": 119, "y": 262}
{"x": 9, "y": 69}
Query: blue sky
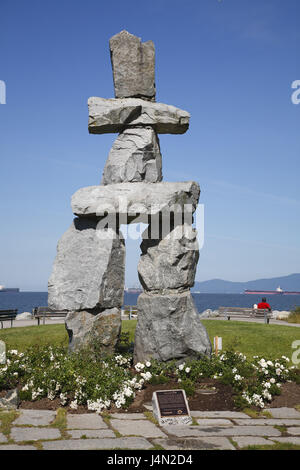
{"x": 230, "y": 63}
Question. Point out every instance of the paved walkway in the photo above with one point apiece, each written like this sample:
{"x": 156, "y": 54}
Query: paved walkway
{"x": 211, "y": 430}
{"x": 18, "y": 323}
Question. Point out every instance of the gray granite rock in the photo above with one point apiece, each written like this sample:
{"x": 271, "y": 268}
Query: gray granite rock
{"x": 88, "y": 270}
{"x": 133, "y": 64}
{"x": 169, "y": 263}
{"x": 135, "y": 156}
{"x": 132, "y": 199}
{"x": 114, "y": 115}
{"x": 2, "y": 352}
{"x": 85, "y": 328}
{"x": 11, "y": 400}
{"x": 24, "y": 316}
{"x": 169, "y": 328}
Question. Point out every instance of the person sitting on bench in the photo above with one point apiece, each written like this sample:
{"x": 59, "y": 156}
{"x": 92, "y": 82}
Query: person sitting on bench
{"x": 264, "y": 304}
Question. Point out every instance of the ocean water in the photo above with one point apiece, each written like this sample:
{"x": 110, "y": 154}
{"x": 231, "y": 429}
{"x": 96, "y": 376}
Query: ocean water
{"x": 26, "y": 301}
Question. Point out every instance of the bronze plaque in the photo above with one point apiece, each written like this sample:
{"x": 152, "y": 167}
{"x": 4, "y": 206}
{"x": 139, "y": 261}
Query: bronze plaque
{"x": 172, "y": 403}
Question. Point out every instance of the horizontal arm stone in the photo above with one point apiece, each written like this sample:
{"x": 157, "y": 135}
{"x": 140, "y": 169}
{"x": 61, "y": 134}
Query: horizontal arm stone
{"x": 133, "y": 199}
{"x": 114, "y": 115}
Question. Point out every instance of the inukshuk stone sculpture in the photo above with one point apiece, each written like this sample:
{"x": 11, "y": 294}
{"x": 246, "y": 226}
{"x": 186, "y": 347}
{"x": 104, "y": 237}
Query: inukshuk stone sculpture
{"x": 88, "y": 273}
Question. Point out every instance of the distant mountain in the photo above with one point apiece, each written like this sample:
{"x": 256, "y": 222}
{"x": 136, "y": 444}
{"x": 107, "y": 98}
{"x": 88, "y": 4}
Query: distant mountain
{"x": 219, "y": 286}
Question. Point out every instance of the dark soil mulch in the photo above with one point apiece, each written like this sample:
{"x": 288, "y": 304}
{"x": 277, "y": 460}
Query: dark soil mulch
{"x": 290, "y": 396}
{"x": 219, "y": 398}
{"x": 211, "y": 395}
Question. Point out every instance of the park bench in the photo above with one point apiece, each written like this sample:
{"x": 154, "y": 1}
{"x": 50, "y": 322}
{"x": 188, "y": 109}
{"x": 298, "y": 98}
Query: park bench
{"x": 46, "y": 312}
{"x": 8, "y": 315}
{"x": 245, "y": 313}
{"x": 130, "y": 310}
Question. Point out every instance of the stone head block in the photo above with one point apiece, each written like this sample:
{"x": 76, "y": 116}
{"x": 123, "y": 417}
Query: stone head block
{"x": 133, "y": 65}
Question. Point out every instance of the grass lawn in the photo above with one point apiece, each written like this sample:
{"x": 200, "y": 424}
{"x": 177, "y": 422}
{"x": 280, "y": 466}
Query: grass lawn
{"x": 251, "y": 339}
{"x": 21, "y": 338}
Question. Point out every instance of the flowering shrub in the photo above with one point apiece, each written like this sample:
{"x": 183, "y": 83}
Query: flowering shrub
{"x": 83, "y": 379}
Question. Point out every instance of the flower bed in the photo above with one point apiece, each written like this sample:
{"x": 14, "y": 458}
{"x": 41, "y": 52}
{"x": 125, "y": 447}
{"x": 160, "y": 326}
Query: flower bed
{"x": 83, "y": 379}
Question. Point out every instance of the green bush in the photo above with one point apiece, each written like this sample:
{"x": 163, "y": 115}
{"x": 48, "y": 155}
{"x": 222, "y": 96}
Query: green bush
{"x": 86, "y": 378}
{"x": 294, "y": 316}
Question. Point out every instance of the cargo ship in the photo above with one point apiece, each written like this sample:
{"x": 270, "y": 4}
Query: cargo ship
{"x": 271, "y": 292}
{"x": 133, "y": 290}
{"x": 9, "y": 289}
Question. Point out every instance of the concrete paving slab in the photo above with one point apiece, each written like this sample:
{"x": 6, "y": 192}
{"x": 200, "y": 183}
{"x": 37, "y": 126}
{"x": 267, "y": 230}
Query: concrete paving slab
{"x": 2, "y": 438}
{"x": 219, "y": 414}
{"x": 16, "y": 447}
{"x": 295, "y": 431}
{"x": 95, "y": 444}
{"x": 127, "y": 416}
{"x": 252, "y": 441}
{"x": 268, "y": 422}
{"x": 35, "y": 417}
{"x": 214, "y": 422}
{"x": 197, "y": 431}
{"x": 90, "y": 433}
{"x": 137, "y": 428}
{"x": 34, "y": 434}
{"x": 288, "y": 440}
{"x": 284, "y": 412}
{"x": 85, "y": 421}
{"x": 208, "y": 443}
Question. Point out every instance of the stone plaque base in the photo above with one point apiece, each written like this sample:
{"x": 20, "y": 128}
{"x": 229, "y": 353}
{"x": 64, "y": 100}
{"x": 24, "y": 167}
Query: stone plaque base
{"x": 171, "y": 407}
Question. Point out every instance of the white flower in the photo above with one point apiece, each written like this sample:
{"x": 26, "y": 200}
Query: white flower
{"x": 139, "y": 367}
{"x": 187, "y": 369}
{"x": 267, "y": 395}
{"x": 51, "y": 395}
{"x": 147, "y": 376}
{"x": 148, "y": 364}
{"x": 74, "y": 405}
{"x": 181, "y": 366}
{"x": 278, "y": 371}
{"x": 237, "y": 377}
{"x": 272, "y": 380}
{"x": 266, "y": 384}
{"x": 63, "y": 398}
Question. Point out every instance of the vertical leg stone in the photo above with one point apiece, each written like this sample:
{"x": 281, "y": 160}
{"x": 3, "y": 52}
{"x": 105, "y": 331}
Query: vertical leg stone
{"x": 88, "y": 281}
{"x": 88, "y": 271}
{"x": 168, "y": 325}
{"x": 169, "y": 328}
